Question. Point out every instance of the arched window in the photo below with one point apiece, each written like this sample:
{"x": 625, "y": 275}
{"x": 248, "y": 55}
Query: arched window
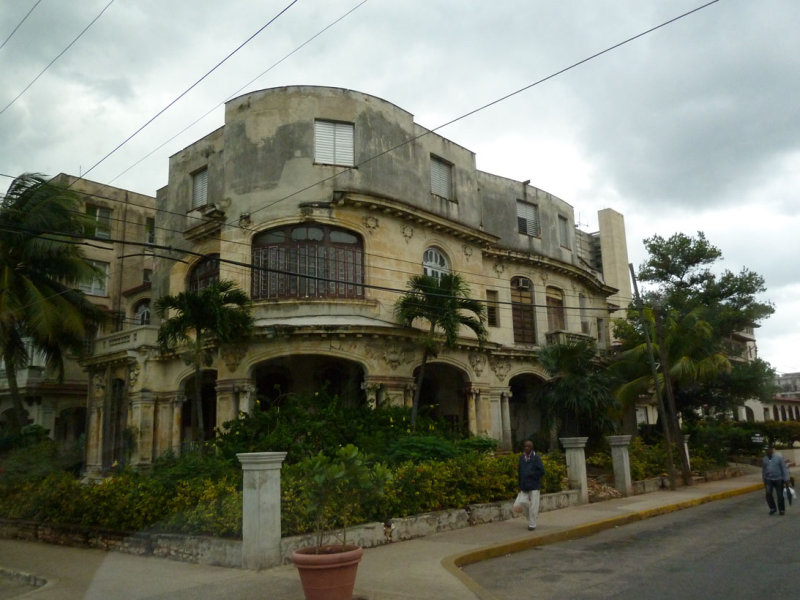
{"x": 555, "y": 309}
{"x": 141, "y": 312}
{"x": 434, "y": 263}
{"x": 307, "y": 261}
{"x": 522, "y": 310}
{"x": 204, "y": 273}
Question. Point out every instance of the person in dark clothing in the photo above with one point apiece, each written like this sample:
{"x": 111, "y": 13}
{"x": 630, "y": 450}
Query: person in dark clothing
{"x": 775, "y": 474}
{"x": 531, "y": 471}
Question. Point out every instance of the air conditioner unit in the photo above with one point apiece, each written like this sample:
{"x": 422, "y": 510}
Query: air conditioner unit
{"x": 523, "y": 284}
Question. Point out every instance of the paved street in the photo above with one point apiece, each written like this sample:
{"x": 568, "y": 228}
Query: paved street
{"x": 427, "y": 567}
{"x": 721, "y": 550}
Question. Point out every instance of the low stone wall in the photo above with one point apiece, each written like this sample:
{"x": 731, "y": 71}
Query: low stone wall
{"x": 645, "y": 486}
{"x": 369, "y": 535}
{"x": 228, "y": 553}
{"x": 186, "y": 548}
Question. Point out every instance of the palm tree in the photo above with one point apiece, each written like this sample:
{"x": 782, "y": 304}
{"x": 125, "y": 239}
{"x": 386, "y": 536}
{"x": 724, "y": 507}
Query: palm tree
{"x": 579, "y": 394}
{"x": 205, "y": 320}
{"x": 442, "y": 302}
{"x": 39, "y": 308}
{"x": 686, "y": 357}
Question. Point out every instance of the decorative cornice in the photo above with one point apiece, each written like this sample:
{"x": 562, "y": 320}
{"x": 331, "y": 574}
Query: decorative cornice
{"x": 502, "y": 256}
{"x": 414, "y": 214}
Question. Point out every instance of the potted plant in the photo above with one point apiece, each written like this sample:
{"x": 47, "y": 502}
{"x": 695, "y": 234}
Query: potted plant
{"x": 335, "y": 489}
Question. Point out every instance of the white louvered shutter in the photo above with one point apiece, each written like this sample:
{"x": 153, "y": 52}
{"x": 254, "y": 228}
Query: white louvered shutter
{"x": 200, "y": 189}
{"x": 333, "y": 143}
{"x": 441, "y": 178}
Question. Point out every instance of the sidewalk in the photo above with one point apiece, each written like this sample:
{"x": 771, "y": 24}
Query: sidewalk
{"x": 421, "y": 568}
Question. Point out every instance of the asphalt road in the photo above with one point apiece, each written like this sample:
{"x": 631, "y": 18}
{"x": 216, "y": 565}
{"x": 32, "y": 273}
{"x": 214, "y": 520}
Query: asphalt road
{"x": 727, "y": 549}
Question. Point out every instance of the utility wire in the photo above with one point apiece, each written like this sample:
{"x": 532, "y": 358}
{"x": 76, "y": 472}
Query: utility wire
{"x": 82, "y": 240}
{"x": 463, "y": 116}
{"x": 60, "y": 54}
{"x": 232, "y": 223}
{"x": 248, "y": 245}
{"x": 485, "y": 106}
{"x": 187, "y": 90}
{"x": 13, "y": 31}
{"x": 234, "y": 94}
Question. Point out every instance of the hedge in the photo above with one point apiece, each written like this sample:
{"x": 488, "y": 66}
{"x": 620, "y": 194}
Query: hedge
{"x": 202, "y": 505}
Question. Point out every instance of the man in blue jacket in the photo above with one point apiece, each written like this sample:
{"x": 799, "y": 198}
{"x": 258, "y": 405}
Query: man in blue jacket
{"x": 775, "y": 474}
{"x": 531, "y": 471}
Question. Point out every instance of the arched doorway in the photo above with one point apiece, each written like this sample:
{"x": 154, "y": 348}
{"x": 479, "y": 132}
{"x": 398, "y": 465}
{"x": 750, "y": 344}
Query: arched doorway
{"x": 208, "y": 401}
{"x": 443, "y": 395}
{"x": 524, "y": 414}
{"x": 279, "y": 378}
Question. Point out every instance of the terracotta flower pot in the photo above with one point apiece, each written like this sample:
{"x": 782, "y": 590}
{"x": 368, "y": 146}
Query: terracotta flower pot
{"x": 328, "y": 572}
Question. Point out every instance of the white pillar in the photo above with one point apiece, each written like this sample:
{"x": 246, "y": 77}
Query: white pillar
{"x": 621, "y": 462}
{"x": 576, "y": 465}
{"x": 261, "y": 509}
{"x": 505, "y": 417}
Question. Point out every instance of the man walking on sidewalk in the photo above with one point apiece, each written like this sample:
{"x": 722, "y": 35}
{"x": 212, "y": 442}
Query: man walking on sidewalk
{"x": 531, "y": 471}
{"x": 775, "y": 475}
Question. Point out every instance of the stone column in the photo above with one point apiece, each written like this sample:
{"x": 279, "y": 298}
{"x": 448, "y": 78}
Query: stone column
{"x": 226, "y": 402}
{"x": 94, "y": 440}
{"x": 371, "y": 389}
{"x": 621, "y": 462}
{"x": 505, "y": 419}
{"x": 94, "y": 432}
{"x": 576, "y": 465}
{"x": 472, "y": 415}
{"x": 142, "y": 418}
{"x": 163, "y": 428}
{"x": 261, "y": 509}
{"x": 177, "y": 415}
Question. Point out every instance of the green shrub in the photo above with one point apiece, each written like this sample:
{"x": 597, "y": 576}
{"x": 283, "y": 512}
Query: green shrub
{"x": 420, "y": 448}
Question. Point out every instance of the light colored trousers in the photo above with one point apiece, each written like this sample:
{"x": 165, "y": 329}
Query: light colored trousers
{"x": 533, "y": 506}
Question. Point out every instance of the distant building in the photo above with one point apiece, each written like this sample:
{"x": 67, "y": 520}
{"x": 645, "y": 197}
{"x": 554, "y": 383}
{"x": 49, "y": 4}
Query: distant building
{"x": 321, "y": 203}
{"x": 120, "y": 218}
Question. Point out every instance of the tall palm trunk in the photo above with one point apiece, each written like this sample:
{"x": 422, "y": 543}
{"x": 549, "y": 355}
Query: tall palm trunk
{"x": 17, "y": 411}
{"x": 672, "y": 416}
{"x": 418, "y": 390}
{"x": 198, "y": 425}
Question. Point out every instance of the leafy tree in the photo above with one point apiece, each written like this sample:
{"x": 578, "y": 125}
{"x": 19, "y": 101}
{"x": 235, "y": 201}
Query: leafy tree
{"x": 203, "y": 321}
{"x": 442, "y": 302}
{"x": 578, "y": 397}
{"x": 693, "y": 311}
{"x": 40, "y": 265}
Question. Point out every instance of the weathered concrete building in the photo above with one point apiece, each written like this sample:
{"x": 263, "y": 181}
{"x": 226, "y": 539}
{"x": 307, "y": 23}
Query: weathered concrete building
{"x": 124, "y": 224}
{"x": 321, "y": 203}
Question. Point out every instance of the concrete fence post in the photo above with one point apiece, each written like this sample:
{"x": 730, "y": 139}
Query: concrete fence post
{"x": 576, "y": 465}
{"x": 261, "y": 509}
{"x": 621, "y": 463}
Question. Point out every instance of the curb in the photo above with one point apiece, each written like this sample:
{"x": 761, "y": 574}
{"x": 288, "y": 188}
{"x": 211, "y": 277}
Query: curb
{"x": 453, "y": 563}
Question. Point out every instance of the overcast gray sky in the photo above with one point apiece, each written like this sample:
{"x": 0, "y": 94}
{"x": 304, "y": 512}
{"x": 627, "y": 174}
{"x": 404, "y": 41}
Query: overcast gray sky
{"x": 692, "y": 127}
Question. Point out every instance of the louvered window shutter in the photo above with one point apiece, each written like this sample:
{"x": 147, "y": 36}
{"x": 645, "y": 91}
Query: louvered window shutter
{"x": 200, "y": 189}
{"x": 441, "y": 178}
{"x": 333, "y": 143}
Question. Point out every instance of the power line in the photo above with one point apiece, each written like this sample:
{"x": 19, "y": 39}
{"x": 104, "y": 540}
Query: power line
{"x": 13, "y": 31}
{"x": 191, "y": 87}
{"x": 232, "y": 223}
{"x": 81, "y": 240}
{"x": 60, "y": 54}
{"x": 463, "y": 116}
{"x": 488, "y": 105}
{"x": 248, "y": 245}
{"x": 234, "y": 94}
